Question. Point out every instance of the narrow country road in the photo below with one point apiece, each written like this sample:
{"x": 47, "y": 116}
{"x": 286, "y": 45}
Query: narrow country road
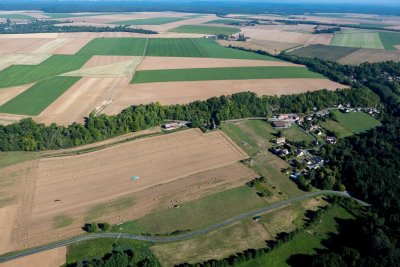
{"x": 163, "y": 239}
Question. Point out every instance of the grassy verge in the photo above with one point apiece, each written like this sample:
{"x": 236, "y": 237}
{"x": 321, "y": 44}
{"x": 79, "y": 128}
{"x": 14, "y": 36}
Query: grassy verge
{"x": 227, "y": 73}
{"x": 10, "y": 158}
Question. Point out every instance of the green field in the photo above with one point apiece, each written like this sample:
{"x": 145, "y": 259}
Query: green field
{"x": 39, "y": 96}
{"x": 197, "y": 47}
{"x": 235, "y": 73}
{"x": 16, "y": 16}
{"x": 324, "y": 52}
{"x": 304, "y": 243}
{"x": 360, "y": 39}
{"x": 150, "y": 21}
{"x": 197, "y": 214}
{"x": 202, "y": 29}
{"x": 89, "y": 249}
{"x": 54, "y": 65}
{"x": 336, "y": 127}
{"x": 224, "y": 21}
{"x": 390, "y": 39}
{"x": 294, "y": 134}
{"x": 14, "y": 157}
{"x": 356, "y": 122}
{"x": 114, "y": 47}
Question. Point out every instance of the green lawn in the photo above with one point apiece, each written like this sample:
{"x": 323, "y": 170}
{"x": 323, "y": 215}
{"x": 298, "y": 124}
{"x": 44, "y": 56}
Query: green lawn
{"x": 197, "y": 214}
{"x": 39, "y": 96}
{"x": 294, "y": 134}
{"x": 54, "y": 65}
{"x": 197, "y": 47}
{"x": 356, "y": 122}
{"x": 202, "y": 29}
{"x": 150, "y": 21}
{"x": 304, "y": 243}
{"x": 390, "y": 39}
{"x": 114, "y": 47}
{"x": 16, "y": 16}
{"x": 358, "y": 39}
{"x": 229, "y": 73}
{"x": 89, "y": 249}
{"x": 336, "y": 127}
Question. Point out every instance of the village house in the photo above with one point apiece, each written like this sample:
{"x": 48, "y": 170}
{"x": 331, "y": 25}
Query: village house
{"x": 331, "y": 139}
{"x": 280, "y": 140}
{"x": 281, "y": 124}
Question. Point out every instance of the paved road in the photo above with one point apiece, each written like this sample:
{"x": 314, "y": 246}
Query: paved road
{"x": 163, "y": 239}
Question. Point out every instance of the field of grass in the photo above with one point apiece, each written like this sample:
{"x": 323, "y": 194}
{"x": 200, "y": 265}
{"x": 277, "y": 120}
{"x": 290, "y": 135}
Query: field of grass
{"x": 10, "y": 158}
{"x": 99, "y": 210}
{"x": 390, "y": 39}
{"x": 304, "y": 243}
{"x": 254, "y": 136}
{"x": 98, "y": 248}
{"x": 202, "y": 29}
{"x": 324, "y": 52}
{"x": 360, "y": 39}
{"x": 295, "y": 134}
{"x": 229, "y": 73}
{"x": 232, "y": 239}
{"x": 198, "y": 213}
{"x": 55, "y": 65}
{"x": 198, "y": 47}
{"x": 356, "y": 122}
{"x": 16, "y": 16}
{"x": 224, "y": 21}
{"x": 150, "y": 21}
{"x": 336, "y": 127}
{"x": 39, "y": 96}
{"x": 114, "y": 47}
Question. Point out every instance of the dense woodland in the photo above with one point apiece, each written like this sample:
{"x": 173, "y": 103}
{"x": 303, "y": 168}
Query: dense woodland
{"x": 40, "y": 26}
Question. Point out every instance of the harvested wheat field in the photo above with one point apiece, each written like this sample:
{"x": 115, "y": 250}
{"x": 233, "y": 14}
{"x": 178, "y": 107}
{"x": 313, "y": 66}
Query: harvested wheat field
{"x": 96, "y": 61}
{"x": 22, "y": 45}
{"x": 72, "y": 46}
{"x": 85, "y": 96}
{"x": 159, "y": 63}
{"x": 121, "y": 69}
{"x": 185, "y": 92}
{"x": 173, "y": 168}
{"x": 7, "y": 94}
{"x": 50, "y": 258}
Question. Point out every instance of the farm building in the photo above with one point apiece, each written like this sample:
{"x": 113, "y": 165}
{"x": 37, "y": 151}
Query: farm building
{"x": 289, "y": 117}
{"x": 173, "y": 126}
{"x": 280, "y": 140}
{"x": 281, "y": 124}
{"x": 331, "y": 139}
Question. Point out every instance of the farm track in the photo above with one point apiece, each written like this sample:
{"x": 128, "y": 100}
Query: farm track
{"x": 165, "y": 239}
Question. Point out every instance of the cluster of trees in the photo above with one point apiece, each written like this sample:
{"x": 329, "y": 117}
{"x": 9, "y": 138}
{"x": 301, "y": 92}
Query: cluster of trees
{"x": 30, "y": 136}
{"x": 312, "y": 219}
{"x": 328, "y": 30}
{"x": 94, "y": 228}
{"x": 40, "y": 26}
{"x": 117, "y": 258}
{"x": 260, "y": 185}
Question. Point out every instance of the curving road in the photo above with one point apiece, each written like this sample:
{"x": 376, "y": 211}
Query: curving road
{"x": 163, "y": 239}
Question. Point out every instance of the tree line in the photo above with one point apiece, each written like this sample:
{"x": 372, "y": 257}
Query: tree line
{"x": 41, "y": 26}
{"x": 28, "y": 135}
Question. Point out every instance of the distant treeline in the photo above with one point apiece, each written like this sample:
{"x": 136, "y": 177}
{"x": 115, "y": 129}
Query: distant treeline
{"x": 30, "y": 136}
{"x": 41, "y": 26}
{"x": 329, "y": 30}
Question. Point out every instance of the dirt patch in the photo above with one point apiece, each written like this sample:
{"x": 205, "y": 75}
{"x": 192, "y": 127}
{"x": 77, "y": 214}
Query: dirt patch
{"x": 50, "y": 258}
{"x": 7, "y": 94}
{"x": 158, "y": 63}
{"x": 186, "y": 92}
{"x": 85, "y": 96}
